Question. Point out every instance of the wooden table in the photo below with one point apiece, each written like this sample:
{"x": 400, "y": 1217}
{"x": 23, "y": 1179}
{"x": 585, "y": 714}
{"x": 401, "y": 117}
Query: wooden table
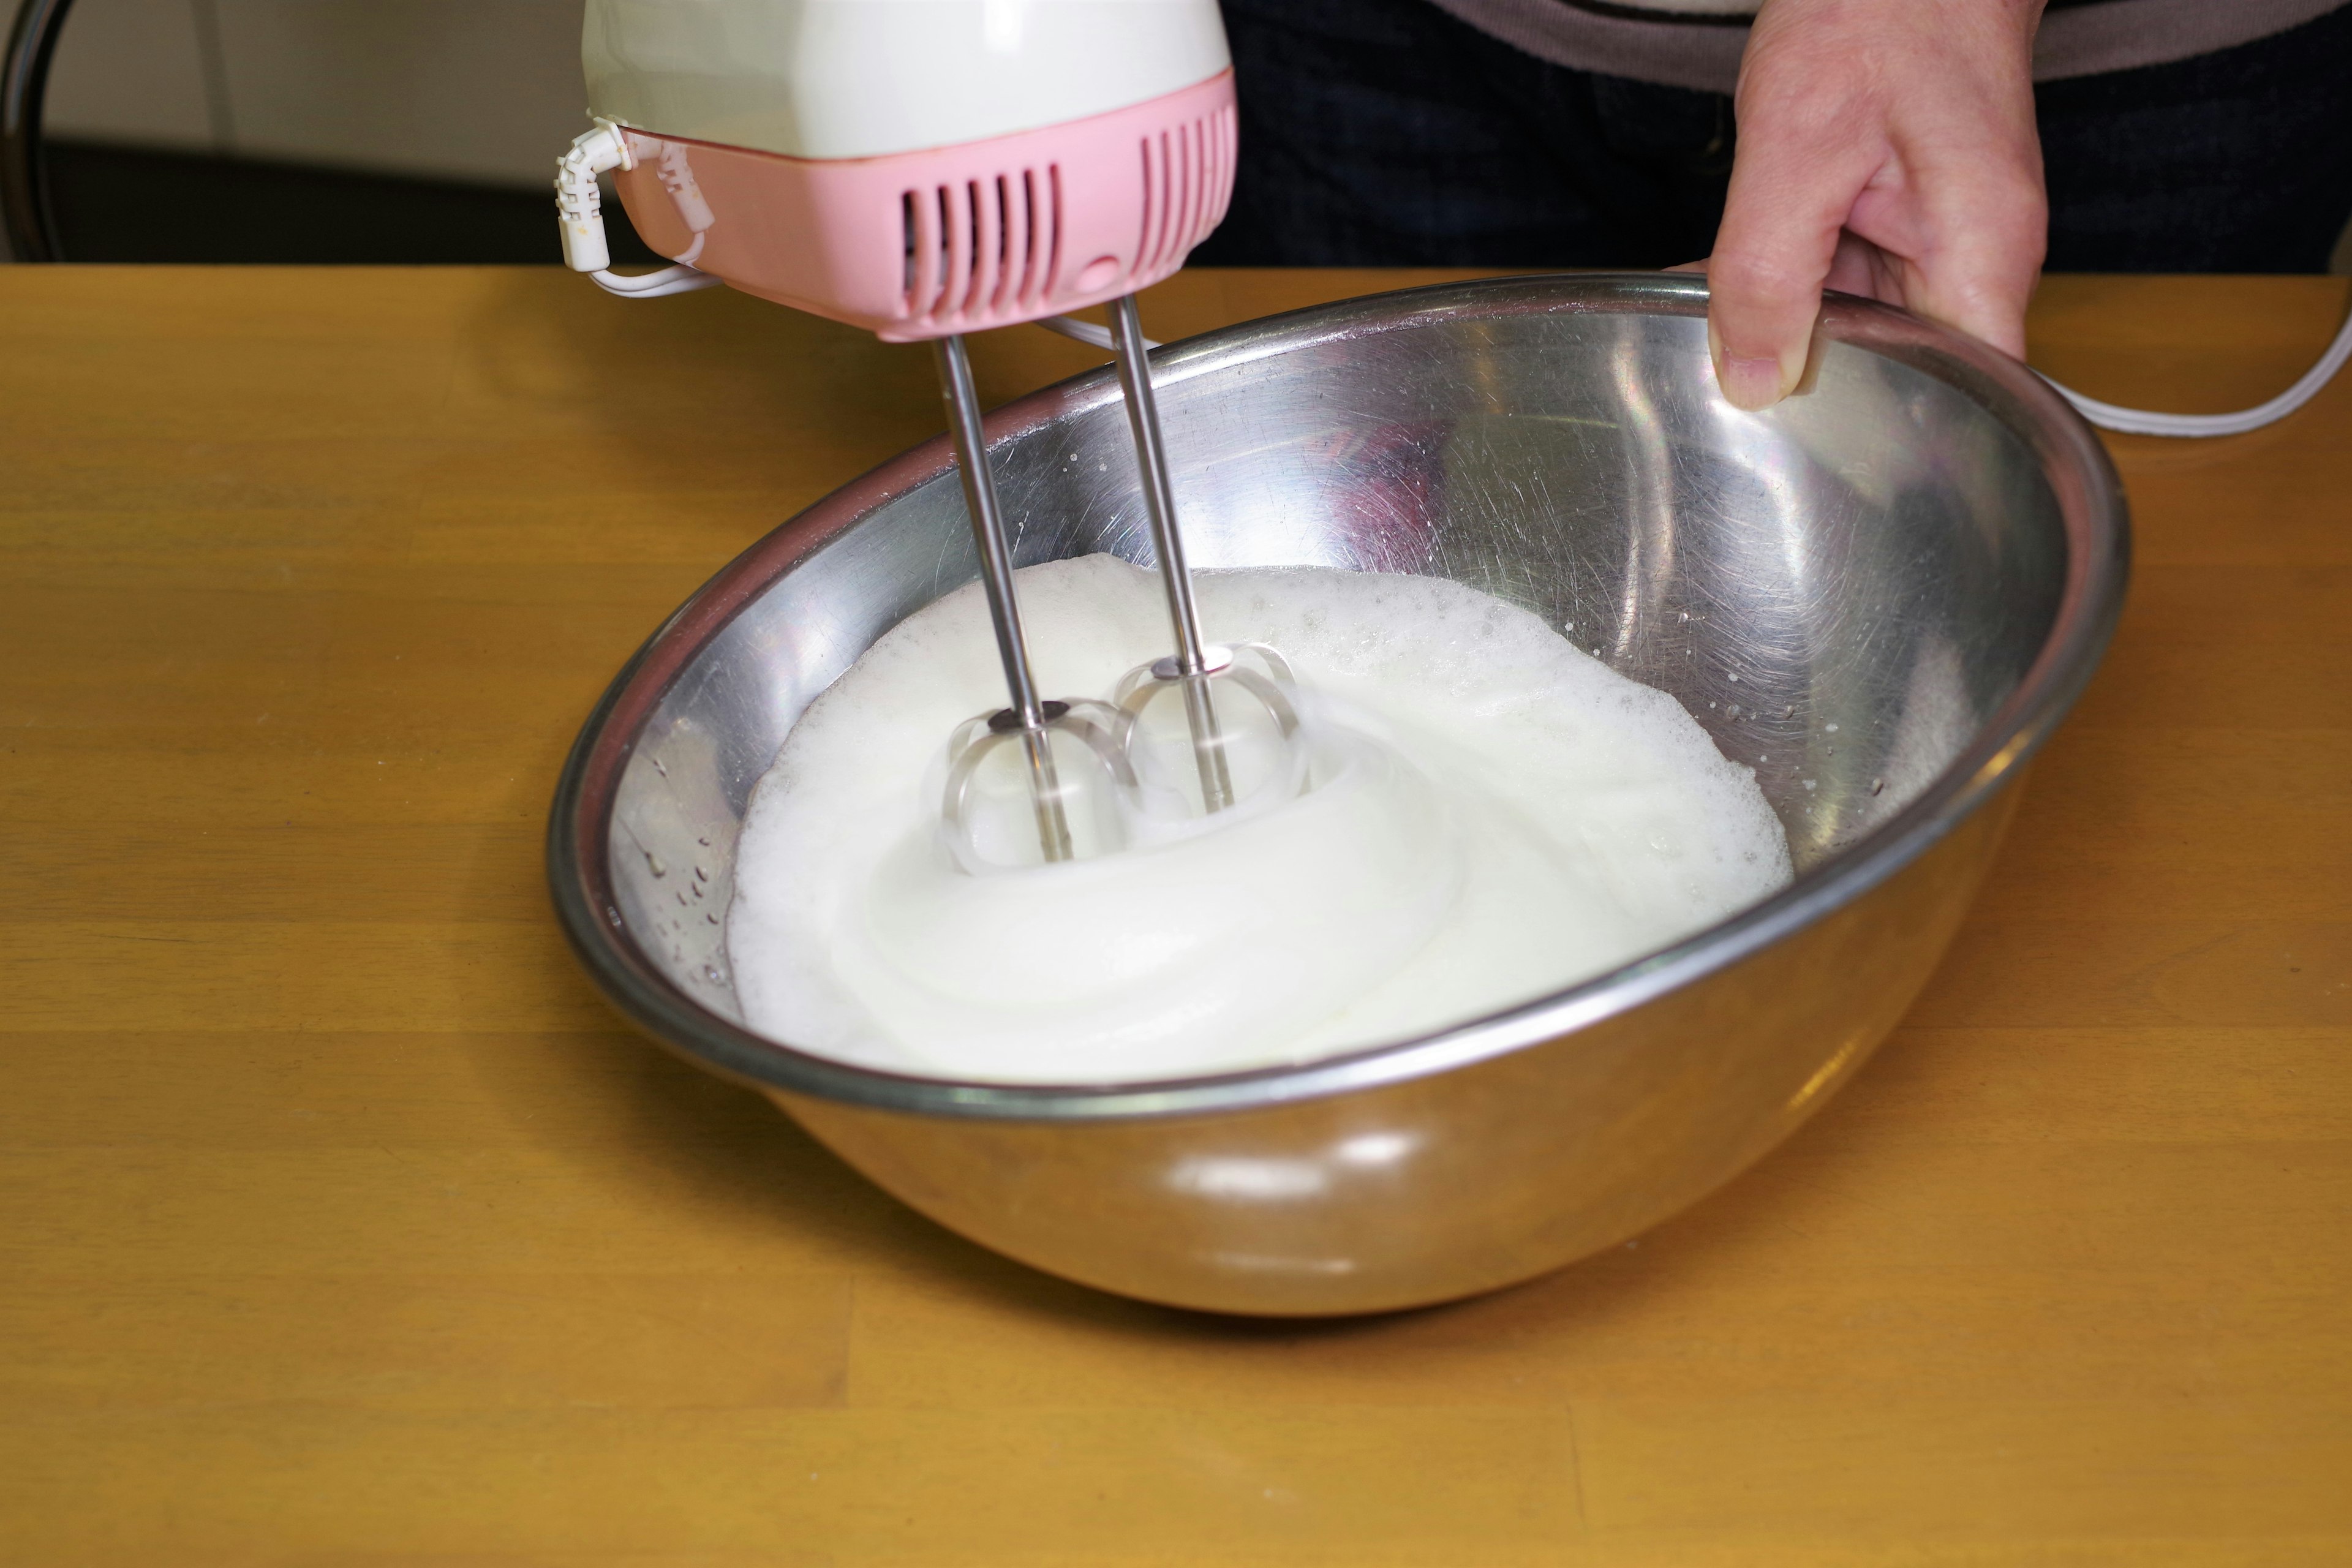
{"x": 340, "y": 1223}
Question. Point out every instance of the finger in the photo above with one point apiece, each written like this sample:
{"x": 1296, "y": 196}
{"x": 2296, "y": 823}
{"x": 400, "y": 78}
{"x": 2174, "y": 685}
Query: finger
{"x": 1861, "y": 267}
{"x": 1792, "y": 188}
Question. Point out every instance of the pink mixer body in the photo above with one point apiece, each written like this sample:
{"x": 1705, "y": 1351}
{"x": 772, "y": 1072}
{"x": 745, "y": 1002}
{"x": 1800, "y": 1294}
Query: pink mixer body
{"x": 949, "y": 239}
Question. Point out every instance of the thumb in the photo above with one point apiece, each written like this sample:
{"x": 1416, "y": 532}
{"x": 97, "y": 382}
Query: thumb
{"x": 1791, "y": 190}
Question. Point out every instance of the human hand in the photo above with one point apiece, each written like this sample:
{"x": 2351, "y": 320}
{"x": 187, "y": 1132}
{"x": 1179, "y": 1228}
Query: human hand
{"x": 1888, "y": 149}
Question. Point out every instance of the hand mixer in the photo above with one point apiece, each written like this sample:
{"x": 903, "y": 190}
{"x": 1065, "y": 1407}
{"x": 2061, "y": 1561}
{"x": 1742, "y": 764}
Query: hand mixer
{"x": 925, "y": 168}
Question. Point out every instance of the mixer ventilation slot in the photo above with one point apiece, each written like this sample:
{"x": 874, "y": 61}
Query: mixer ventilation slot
{"x": 1187, "y": 181}
{"x": 985, "y": 245}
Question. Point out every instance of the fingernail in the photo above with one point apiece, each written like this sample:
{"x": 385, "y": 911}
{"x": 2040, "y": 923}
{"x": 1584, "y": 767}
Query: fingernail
{"x": 1750, "y": 384}
{"x": 1753, "y": 382}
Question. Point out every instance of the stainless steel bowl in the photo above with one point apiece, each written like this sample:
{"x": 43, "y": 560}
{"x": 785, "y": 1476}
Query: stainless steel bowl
{"x": 1882, "y": 594}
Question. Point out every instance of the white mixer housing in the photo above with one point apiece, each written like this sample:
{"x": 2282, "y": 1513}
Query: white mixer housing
{"x": 917, "y": 167}
{"x": 858, "y": 78}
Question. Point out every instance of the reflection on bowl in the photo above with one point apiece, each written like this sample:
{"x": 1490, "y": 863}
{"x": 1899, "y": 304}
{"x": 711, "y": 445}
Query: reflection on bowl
{"x": 1883, "y": 594}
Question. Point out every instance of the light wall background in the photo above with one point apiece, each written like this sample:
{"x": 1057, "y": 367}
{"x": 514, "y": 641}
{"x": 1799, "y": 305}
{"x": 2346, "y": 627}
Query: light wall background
{"x": 483, "y": 90}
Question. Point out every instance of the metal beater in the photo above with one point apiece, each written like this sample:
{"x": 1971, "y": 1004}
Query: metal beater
{"x": 1032, "y": 722}
{"x": 1239, "y": 749}
{"x": 1235, "y": 754}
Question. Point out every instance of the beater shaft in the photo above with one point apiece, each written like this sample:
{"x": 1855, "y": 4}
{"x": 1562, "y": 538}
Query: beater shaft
{"x": 996, "y": 580}
{"x": 1167, "y": 544}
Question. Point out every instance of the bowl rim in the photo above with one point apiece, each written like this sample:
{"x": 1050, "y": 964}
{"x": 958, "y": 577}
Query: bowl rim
{"x": 2091, "y": 508}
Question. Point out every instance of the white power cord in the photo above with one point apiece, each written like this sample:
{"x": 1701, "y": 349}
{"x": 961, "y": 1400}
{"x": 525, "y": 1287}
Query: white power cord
{"x": 653, "y": 285}
{"x": 2141, "y": 422}
{"x": 579, "y": 207}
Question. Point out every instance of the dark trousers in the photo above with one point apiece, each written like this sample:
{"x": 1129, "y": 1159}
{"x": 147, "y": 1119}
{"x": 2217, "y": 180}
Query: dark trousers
{"x": 1384, "y": 132}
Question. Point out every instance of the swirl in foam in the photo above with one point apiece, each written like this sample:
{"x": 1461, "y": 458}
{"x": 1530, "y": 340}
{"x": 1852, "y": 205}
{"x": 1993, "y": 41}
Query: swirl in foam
{"x": 1494, "y": 816}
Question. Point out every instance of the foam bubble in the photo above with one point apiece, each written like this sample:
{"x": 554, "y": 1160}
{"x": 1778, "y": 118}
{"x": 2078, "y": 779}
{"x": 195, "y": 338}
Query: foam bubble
{"x": 1497, "y": 816}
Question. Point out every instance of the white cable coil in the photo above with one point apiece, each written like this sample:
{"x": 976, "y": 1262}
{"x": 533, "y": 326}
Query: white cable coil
{"x": 2141, "y": 422}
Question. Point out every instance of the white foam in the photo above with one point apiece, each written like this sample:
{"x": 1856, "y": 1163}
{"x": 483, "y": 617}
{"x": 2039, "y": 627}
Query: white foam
{"x": 1498, "y": 815}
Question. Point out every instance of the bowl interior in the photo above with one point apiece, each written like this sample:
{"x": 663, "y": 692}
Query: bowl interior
{"x": 1845, "y": 591}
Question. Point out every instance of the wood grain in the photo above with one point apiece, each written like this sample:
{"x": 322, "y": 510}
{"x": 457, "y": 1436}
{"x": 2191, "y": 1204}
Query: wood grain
{"x": 340, "y": 1223}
